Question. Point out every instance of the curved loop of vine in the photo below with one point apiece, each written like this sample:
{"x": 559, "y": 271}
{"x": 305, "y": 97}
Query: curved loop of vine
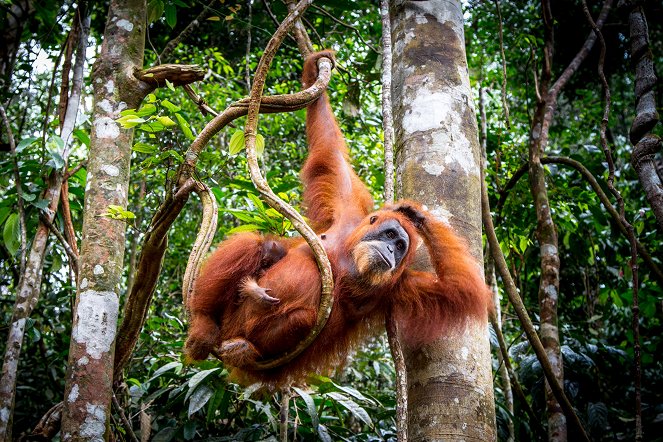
{"x": 326, "y": 277}
{"x": 252, "y": 106}
{"x": 203, "y": 240}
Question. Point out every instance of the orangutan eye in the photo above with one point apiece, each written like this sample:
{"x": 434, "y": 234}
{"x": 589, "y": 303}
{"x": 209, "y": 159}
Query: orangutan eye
{"x": 373, "y": 219}
{"x": 400, "y": 245}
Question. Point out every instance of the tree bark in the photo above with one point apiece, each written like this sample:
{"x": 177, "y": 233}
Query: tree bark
{"x": 438, "y": 163}
{"x": 88, "y": 388}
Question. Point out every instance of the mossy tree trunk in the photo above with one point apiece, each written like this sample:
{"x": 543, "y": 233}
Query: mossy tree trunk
{"x": 89, "y": 379}
{"x": 450, "y": 388}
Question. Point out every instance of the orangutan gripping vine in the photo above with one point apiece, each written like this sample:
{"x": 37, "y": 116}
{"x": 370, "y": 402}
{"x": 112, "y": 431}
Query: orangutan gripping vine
{"x": 257, "y": 296}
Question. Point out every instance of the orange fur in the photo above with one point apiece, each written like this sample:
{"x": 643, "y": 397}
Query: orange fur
{"x": 338, "y": 206}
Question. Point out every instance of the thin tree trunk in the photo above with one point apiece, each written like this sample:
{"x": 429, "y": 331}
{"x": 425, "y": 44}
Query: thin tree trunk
{"x": 88, "y": 390}
{"x": 546, "y": 230}
{"x": 438, "y": 163}
{"x": 30, "y": 282}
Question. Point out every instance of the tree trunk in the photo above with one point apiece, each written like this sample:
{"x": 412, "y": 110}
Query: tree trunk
{"x": 29, "y": 286}
{"x": 450, "y": 391}
{"x": 88, "y": 388}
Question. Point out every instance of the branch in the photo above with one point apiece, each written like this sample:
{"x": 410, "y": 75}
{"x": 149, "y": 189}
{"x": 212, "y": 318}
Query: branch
{"x": 204, "y": 108}
{"x": 123, "y": 418}
{"x": 177, "y": 74}
{"x": 172, "y": 44}
{"x": 268, "y": 104}
{"x": 581, "y": 55}
{"x": 326, "y": 301}
{"x": 301, "y": 36}
{"x": 523, "y": 316}
{"x": 73, "y": 256}
{"x": 646, "y": 144}
{"x": 283, "y": 414}
{"x": 349, "y": 26}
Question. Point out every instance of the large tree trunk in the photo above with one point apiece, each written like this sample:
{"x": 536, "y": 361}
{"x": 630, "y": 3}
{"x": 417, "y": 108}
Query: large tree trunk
{"x": 29, "y": 286}
{"x": 88, "y": 389}
{"x": 450, "y": 388}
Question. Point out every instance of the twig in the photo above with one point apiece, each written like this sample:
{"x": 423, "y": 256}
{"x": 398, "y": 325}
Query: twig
{"x": 346, "y": 25}
{"x": 200, "y": 101}
{"x": 123, "y": 417}
{"x": 73, "y": 256}
{"x": 172, "y": 44}
{"x": 525, "y": 320}
{"x": 326, "y": 301}
{"x": 68, "y": 174}
{"x": 19, "y": 189}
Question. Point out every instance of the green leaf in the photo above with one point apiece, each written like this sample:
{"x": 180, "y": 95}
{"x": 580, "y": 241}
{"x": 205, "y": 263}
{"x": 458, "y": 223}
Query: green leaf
{"x": 11, "y": 234}
{"x": 189, "y": 429}
{"x": 154, "y": 10}
{"x": 236, "y": 142}
{"x": 170, "y": 106}
{"x": 145, "y": 148}
{"x": 352, "y": 406}
{"x": 152, "y": 127}
{"x": 260, "y": 144}
{"x": 29, "y": 197}
{"x": 129, "y": 121}
{"x": 169, "y": 366}
{"x": 199, "y": 398}
{"x": 118, "y": 213}
{"x": 146, "y": 110}
{"x": 166, "y": 121}
{"x": 151, "y": 98}
{"x": 56, "y": 161}
{"x": 25, "y": 143}
{"x": 310, "y": 406}
{"x": 197, "y": 378}
{"x": 184, "y": 125}
{"x": 244, "y": 228}
{"x": 171, "y": 15}
{"x": 170, "y": 85}
{"x": 82, "y": 136}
